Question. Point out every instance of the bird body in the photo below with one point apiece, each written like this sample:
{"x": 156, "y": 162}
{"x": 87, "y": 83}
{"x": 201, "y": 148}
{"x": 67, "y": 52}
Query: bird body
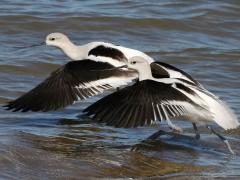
{"x": 161, "y": 99}
{"x": 113, "y": 54}
{"x": 162, "y": 92}
{"x": 97, "y": 51}
{"x": 90, "y": 72}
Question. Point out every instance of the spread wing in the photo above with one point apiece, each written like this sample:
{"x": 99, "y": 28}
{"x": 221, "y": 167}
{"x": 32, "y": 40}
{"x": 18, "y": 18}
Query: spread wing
{"x": 144, "y": 102}
{"x": 77, "y": 80}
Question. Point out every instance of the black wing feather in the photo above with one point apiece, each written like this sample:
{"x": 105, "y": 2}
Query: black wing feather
{"x": 159, "y": 70}
{"x": 108, "y": 52}
{"x": 61, "y": 88}
{"x": 139, "y": 105}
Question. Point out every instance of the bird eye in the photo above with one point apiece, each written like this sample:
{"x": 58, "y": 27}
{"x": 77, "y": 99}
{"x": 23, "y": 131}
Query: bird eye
{"x": 52, "y": 39}
{"x": 133, "y": 62}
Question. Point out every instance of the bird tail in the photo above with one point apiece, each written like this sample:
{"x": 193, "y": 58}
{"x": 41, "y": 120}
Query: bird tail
{"x": 224, "y": 116}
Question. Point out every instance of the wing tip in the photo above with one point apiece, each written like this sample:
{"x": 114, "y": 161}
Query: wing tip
{"x": 14, "y": 107}
{"x": 8, "y": 106}
{"x": 232, "y": 125}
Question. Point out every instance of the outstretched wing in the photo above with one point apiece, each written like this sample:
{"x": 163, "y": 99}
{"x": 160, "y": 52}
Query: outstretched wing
{"x": 77, "y": 80}
{"x": 144, "y": 102}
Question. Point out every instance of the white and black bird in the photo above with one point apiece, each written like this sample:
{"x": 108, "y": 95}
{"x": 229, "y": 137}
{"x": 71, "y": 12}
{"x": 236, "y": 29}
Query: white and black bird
{"x": 157, "y": 99}
{"x": 90, "y": 72}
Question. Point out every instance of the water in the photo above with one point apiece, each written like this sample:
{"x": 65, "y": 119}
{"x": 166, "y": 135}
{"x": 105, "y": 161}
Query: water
{"x": 201, "y": 37}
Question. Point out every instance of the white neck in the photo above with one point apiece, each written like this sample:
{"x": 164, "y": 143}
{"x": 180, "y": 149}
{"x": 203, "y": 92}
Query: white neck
{"x": 145, "y": 73}
{"x": 72, "y": 51}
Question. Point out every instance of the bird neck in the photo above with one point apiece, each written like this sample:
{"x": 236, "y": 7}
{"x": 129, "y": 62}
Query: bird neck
{"x": 72, "y": 51}
{"x": 145, "y": 73}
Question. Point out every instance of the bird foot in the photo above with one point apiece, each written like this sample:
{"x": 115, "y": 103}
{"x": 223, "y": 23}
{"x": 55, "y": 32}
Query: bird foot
{"x": 197, "y": 136}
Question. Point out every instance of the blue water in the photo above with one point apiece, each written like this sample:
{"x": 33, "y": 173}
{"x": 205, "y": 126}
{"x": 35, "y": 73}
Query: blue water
{"x": 200, "y": 37}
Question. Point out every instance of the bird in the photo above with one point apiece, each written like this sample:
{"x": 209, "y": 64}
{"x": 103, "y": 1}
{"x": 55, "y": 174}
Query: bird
{"x": 90, "y": 71}
{"x": 156, "y": 99}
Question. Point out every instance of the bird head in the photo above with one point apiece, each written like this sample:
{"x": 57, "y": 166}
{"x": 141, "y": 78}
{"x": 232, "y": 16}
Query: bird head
{"x": 137, "y": 63}
{"x": 57, "y": 40}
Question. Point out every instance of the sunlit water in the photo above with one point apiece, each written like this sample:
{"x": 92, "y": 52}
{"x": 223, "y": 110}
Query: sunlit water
{"x": 201, "y": 37}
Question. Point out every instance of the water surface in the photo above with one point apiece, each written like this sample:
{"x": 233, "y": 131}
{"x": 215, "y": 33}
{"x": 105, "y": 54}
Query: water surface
{"x": 201, "y": 37}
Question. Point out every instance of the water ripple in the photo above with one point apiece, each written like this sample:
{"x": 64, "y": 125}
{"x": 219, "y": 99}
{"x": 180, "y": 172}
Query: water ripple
{"x": 201, "y": 37}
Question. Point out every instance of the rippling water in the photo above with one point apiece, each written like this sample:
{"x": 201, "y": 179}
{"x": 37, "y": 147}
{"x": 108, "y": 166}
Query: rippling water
{"x": 201, "y": 37}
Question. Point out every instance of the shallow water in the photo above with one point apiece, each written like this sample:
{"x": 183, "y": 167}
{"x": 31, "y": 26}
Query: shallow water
{"x": 201, "y": 37}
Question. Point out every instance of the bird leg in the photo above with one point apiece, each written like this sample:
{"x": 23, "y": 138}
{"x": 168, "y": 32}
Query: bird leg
{"x": 222, "y": 138}
{"x": 173, "y": 127}
{"x": 197, "y": 136}
{"x": 161, "y": 132}
{"x": 153, "y": 137}
{"x": 156, "y": 135}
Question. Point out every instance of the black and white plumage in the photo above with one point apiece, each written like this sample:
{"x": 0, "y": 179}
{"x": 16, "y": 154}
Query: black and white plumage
{"x": 58, "y": 90}
{"x": 164, "y": 70}
{"x": 77, "y": 80}
{"x": 141, "y": 104}
{"x": 113, "y": 54}
{"x": 152, "y": 99}
{"x": 164, "y": 98}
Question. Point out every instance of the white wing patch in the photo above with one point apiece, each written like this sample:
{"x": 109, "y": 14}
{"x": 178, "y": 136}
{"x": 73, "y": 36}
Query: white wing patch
{"x": 110, "y": 60}
{"x": 98, "y": 86}
{"x": 129, "y": 53}
{"x": 187, "y": 108}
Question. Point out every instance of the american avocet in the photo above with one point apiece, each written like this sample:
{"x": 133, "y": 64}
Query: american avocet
{"x": 90, "y": 72}
{"x": 152, "y": 99}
